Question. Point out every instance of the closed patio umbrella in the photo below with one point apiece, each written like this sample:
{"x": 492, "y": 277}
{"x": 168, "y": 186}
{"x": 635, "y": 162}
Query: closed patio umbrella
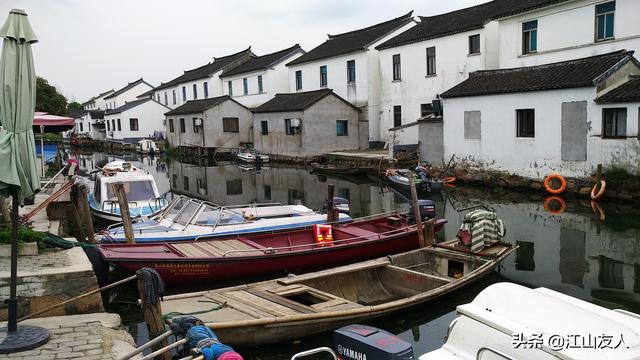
{"x": 18, "y": 174}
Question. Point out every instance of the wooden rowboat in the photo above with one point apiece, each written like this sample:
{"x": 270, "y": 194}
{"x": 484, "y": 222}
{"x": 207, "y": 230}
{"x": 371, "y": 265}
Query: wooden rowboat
{"x": 247, "y": 255}
{"x": 340, "y": 170}
{"x": 297, "y": 306}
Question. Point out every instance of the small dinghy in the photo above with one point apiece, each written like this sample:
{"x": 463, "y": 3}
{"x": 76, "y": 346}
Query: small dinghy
{"x": 140, "y": 188}
{"x": 297, "y": 306}
{"x": 340, "y": 170}
{"x": 188, "y": 219}
{"x": 250, "y": 157}
{"x": 268, "y": 253}
{"x": 400, "y": 180}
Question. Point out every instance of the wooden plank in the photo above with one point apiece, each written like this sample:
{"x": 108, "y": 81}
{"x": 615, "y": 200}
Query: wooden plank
{"x": 330, "y": 303}
{"x": 212, "y": 249}
{"x": 339, "y": 270}
{"x": 223, "y": 245}
{"x": 286, "y": 290}
{"x": 239, "y": 306}
{"x": 239, "y": 245}
{"x": 262, "y": 304}
{"x": 191, "y": 250}
{"x": 203, "y": 249}
{"x": 418, "y": 273}
{"x": 282, "y": 301}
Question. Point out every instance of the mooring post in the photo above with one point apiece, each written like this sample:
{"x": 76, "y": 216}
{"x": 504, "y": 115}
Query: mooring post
{"x": 152, "y": 313}
{"x": 74, "y": 214}
{"x": 429, "y": 232}
{"x": 416, "y": 210}
{"x": 83, "y": 206}
{"x": 599, "y": 175}
{"x": 330, "y": 213}
{"x": 118, "y": 189}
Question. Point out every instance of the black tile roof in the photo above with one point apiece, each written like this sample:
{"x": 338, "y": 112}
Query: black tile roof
{"x": 462, "y": 20}
{"x": 561, "y": 75}
{"x": 352, "y": 41}
{"x": 98, "y": 96}
{"x": 198, "y": 106}
{"x": 296, "y": 101}
{"x": 128, "y": 105}
{"x": 627, "y": 92}
{"x": 220, "y": 63}
{"x": 97, "y": 114}
{"x": 77, "y": 113}
{"x": 262, "y": 62}
{"x": 127, "y": 87}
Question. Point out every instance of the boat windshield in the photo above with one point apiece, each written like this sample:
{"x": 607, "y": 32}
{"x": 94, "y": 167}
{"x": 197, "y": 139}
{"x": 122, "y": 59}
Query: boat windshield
{"x": 212, "y": 216}
{"x": 185, "y": 215}
{"x": 135, "y": 190}
{"x": 175, "y": 207}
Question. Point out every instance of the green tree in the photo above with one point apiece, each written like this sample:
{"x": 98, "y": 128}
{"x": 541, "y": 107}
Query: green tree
{"x": 48, "y": 99}
{"x": 74, "y": 105}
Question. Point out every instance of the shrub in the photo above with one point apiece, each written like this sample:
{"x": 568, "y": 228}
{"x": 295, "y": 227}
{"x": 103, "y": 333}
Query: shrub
{"x": 25, "y": 234}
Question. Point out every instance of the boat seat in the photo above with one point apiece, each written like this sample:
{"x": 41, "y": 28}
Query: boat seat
{"x": 354, "y": 231}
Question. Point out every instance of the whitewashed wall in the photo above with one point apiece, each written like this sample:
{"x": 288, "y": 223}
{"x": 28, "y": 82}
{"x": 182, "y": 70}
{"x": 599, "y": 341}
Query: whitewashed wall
{"x": 150, "y": 117}
{"x": 214, "y": 84}
{"x": 567, "y": 31}
{"x": 127, "y": 96}
{"x": 500, "y": 149}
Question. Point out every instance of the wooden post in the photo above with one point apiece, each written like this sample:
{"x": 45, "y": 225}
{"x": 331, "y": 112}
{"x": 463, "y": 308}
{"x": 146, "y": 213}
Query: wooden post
{"x": 330, "y": 212}
{"x": 74, "y": 214}
{"x": 118, "y": 189}
{"x": 429, "y": 232}
{"x": 416, "y": 211}
{"x": 85, "y": 214}
{"x": 599, "y": 175}
{"x": 153, "y": 317}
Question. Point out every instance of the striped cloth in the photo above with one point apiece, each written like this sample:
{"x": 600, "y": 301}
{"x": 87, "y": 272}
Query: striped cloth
{"x": 485, "y": 229}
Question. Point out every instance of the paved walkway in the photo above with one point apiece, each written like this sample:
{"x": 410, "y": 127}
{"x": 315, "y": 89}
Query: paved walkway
{"x": 89, "y": 336}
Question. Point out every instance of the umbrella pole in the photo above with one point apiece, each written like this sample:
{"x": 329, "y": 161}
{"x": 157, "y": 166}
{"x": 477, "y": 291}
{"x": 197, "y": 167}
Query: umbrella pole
{"x": 42, "y": 153}
{"x": 12, "y": 323}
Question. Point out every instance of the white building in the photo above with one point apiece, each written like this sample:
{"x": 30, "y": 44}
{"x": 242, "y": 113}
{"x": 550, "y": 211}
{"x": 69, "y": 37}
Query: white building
{"x": 98, "y": 102}
{"x": 128, "y": 93}
{"x": 211, "y": 124}
{"x": 200, "y": 83}
{"x": 257, "y": 80}
{"x": 135, "y": 120}
{"x": 564, "y": 117}
{"x": 89, "y": 123}
{"x": 348, "y": 64}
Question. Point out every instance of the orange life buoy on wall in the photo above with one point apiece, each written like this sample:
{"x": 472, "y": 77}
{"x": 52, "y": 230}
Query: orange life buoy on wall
{"x": 598, "y": 195}
{"x": 550, "y": 178}
{"x": 323, "y": 234}
{"x": 598, "y": 210}
{"x": 552, "y": 210}
{"x": 450, "y": 179}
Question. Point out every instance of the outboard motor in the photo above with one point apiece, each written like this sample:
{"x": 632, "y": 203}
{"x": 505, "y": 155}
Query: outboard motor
{"x": 427, "y": 210}
{"x": 362, "y": 342}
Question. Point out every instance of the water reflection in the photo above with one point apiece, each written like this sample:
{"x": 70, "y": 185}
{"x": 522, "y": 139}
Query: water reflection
{"x": 575, "y": 253}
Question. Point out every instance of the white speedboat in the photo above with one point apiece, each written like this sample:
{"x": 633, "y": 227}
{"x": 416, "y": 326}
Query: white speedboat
{"x": 188, "y": 219}
{"x": 147, "y": 146}
{"x": 250, "y": 158}
{"x": 143, "y": 197}
{"x": 509, "y": 321}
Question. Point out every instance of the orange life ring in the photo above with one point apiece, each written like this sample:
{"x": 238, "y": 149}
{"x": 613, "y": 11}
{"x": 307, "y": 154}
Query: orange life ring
{"x": 450, "y": 179}
{"x": 323, "y": 235}
{"x": 551, "y": 199}
{"x": 598, "y": 210}
{"x": 598, "y": 195}
{"x": 547, "y": 184}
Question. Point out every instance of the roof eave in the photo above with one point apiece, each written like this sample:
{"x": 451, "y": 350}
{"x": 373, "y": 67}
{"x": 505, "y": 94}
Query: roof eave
{"x": 363, "y": 49}
{"x": 431, "y": 37}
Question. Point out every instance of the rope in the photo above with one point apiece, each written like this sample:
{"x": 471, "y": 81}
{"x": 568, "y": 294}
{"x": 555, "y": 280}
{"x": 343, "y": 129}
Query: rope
{"x": 169, "y": 316}
{"x": 152, "y": 285}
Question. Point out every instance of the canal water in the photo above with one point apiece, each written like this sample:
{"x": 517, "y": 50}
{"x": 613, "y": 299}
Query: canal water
{"x": 589, "y": 252}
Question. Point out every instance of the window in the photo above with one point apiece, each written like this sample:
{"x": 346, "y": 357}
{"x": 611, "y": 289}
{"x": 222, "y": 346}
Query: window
{"x": 158, "y": 97}
{"x": 166, "y": 98}
{"x": 230, "y": 124}
{"x": 614, "y": 123}
{"x": 81, "y": 130}
{"x": 288, "y": 129}
{"x": 185, "y": 180}
{"x": 474, "y": 44}
{"x": 397, "y": 116}
{"x": 525, "y": 123}
{"x": 396, "y": 67}
{"x": 230, "y": 86}
{"x": 133, "y": 124}
{"x": 299, "y": 80}
{"x": 113, "y": 124}
{"x": 426, "y": 109}
{"x": 431, "y": 60}
{"x": 342, "y": 128}
{"x": 184, "y": 94}
{"x": 195, "y": 92}
{"x": 530, "y": 37}
{"x": 174, "y": 177}
{"x": 182, "y": 126}
{"x": 205, "y": 88}
{"x": 196, "y": 128}
{"x": 171, "y": 129}
{"x": 604, "y": 20}
{"x": 264, "y": 127}
{"x": 234, "y": 187}
{"x": 323, "y": 76}
{"x": 174, "y": 96}
{"x": 108, "y": 127}
{"x": 245, "y": 86}
{"x": 260, "y": 89}
{"x": 119, "y": 125}
{"x": 267, "y": 192}
{"x": 351, "y": 71}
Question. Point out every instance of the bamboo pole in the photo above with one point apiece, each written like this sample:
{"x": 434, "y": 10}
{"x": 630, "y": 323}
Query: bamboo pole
{"x": 416, "y": 210}
{"x": 165, "y": 349}
{"x": 146, "y": 345}
{"x": 107, "y": 287}
{"x": 118, "y": 189}
{"x": 85, "y": 214}
{"x": 152, "y": 314}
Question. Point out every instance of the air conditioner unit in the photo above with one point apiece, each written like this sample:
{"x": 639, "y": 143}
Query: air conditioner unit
{"x": 197, "y": 122}
{"x": 296, "y": 123}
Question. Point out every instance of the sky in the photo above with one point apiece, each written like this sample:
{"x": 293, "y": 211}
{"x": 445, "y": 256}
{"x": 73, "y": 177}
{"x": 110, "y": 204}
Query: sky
{"x": 88, "y": 46}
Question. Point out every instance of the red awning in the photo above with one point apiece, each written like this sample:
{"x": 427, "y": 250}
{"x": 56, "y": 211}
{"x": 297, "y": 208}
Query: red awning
{"x": 52, "y": 123}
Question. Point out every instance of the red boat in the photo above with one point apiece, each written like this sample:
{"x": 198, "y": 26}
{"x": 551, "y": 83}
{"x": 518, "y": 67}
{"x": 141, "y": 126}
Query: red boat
{"x": 261, "y": 254}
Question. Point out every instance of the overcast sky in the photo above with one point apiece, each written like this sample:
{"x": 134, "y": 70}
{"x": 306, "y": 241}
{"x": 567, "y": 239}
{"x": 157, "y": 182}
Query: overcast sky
{"x": 90, "y": 46}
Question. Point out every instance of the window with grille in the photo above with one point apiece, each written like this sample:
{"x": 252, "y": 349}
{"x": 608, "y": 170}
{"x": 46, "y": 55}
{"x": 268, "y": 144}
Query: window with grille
{"x": 133, "y": 124}
{"x": 530, "y": 37}
{"x": 614, "y": 123}
{"x": 431, "y": 60}
{"x": 342, "y": 128}
{"x": 525, "y": 123}
{"x": 264, "y": 127}
{"x": 397, "y": 116}
{"x": 396, "y": 67}
{"x": 230, "y": 124}
{"x": 474, "y": 44}
{"x": 605, "y": 14}
{"x": 323, "y": 76}
{"x": 351, "y": 71}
